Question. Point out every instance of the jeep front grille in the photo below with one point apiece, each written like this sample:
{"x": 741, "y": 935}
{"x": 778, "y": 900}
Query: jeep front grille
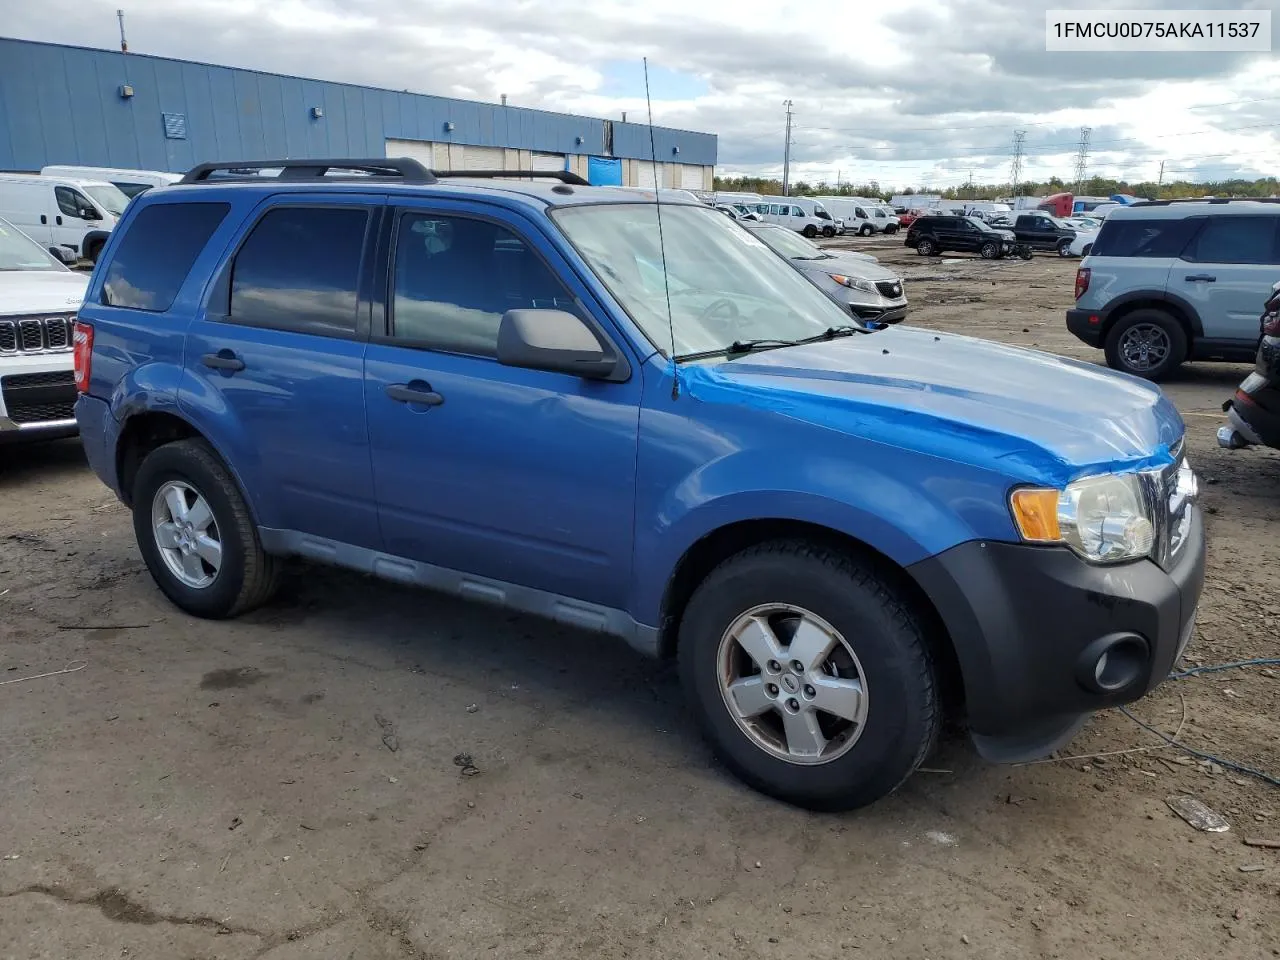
{"x": 36, "y": 334}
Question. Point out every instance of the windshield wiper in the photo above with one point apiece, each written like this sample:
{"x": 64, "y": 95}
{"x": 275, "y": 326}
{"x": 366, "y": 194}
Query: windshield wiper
{"x": 742, "y": 347}
{"x": 845, "y": 330}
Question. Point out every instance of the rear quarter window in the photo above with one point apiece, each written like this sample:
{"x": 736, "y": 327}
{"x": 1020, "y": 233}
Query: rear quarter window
{"x": 156, "y": 253}
{"x": 1144, "y": 238}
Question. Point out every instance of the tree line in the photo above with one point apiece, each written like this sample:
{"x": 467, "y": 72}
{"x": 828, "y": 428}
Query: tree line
{"x": 1093, "y": 187}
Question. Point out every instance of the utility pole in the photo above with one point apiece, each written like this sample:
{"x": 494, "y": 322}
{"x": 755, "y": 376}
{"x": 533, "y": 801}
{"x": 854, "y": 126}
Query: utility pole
{"x": 1015, "y": 168}
{"x": 1082, "y": 158}
{"x": 124, "y": 44}
{"x": 1160, "y": 179}
{"x": 786, "y": 154}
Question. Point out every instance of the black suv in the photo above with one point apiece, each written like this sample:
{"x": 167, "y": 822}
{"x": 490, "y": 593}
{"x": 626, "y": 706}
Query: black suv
{"x": 931, "y": 235}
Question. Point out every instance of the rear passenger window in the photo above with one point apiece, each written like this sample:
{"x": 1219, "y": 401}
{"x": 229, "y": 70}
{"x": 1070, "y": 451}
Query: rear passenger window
{"x": 455, "y": 278}
{"x": 299, "y": 270}
{"x": 1144, "y": 238}
{"x": 1236, "y": 240}
{"x": 156, "y": 253}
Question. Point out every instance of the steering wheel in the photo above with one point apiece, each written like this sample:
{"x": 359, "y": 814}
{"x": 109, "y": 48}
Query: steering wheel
{"x": 725, "y": 306}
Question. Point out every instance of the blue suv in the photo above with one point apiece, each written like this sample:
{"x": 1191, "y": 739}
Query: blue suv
{"x": 639, "y": 420}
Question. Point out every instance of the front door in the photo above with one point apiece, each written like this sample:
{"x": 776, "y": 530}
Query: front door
{"x": 275, "y": 367}
{"x": 1227, "y": 272}
{"x": 520, "y": 476}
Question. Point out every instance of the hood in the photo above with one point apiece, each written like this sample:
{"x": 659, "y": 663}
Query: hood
{"x": 1030, "y": 416}
{"x": 37, "y": 291}
{"x": 849, "y": 264}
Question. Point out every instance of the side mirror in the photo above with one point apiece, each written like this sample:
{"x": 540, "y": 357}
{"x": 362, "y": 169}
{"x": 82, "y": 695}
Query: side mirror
{"x": 553, "y": 340}
{"x": 88, "y": 213}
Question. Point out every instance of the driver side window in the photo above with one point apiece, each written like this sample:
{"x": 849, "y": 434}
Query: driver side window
{"x": 72, "y": 203}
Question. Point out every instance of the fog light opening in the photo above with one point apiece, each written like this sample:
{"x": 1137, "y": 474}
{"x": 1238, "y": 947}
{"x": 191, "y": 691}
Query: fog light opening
{"x": 1113, "y": 663}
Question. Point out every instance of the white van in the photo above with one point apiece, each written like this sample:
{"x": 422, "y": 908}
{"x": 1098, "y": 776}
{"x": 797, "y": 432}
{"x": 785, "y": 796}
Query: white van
{"x": 68, "y": 217}
{"x": 858, "y": 215}
{"x": 129, "y": 182}
{"x": 789, "y": 212}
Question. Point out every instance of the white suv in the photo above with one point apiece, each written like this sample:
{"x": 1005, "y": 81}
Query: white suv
{"x": 38, "y": 302}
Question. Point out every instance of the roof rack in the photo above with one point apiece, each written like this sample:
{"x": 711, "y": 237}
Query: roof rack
{"x": 564, "y": 176}
{"x": 1165, "y": 203}
{"x": 402, "y": 168}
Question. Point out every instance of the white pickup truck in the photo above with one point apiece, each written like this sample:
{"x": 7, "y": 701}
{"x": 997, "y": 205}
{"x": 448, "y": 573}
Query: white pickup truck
{"x": 39, "y": 298}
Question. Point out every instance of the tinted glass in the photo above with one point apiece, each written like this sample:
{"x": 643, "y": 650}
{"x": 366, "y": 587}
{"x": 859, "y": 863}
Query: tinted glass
{"x": 1236, "y": 240}
{"x": 156, "y": 252}
{"x": 1143, "y": 238}
{"x": 455, "y": 278}
{"x": 299, "y": 270}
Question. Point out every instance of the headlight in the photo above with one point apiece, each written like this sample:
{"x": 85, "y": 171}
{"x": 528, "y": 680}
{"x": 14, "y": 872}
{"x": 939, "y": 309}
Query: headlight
{"x": 857, "y": 283}
{"x": 1104, "y": 518}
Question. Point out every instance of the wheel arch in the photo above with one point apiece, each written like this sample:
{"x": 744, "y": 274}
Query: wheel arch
{"x": 718, "y": 545}
{"x": 1181, "y": 311}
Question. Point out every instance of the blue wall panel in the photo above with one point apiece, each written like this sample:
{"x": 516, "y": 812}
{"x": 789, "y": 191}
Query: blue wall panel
{"x": 62, "y": 105}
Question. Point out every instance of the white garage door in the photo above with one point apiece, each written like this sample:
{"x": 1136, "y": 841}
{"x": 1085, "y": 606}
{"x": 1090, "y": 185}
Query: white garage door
{"x": 420, "y": 150}
{"x": 548, "y": 161}
{"x": 646, "y": 175}
{"x": 481, "y": 158}
{"x": 691, "y": 177}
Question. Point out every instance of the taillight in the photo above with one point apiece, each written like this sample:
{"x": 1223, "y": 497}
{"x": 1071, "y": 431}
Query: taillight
{"x": 83, "y": 356}
{"x": 1271, "y": 317}
{"x": 1082, "y": 281}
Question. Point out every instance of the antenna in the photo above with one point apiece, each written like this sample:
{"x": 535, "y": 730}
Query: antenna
{"x": 662, "y": 246}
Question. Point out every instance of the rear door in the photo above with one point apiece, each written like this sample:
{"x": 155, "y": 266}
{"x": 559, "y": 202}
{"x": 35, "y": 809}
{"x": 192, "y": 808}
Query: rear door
{"x": 275, "y": 364}
{"x": 1227, "y": 271}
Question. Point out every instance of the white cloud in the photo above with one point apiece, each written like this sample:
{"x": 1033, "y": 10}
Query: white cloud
{"x": 902, "y": 91}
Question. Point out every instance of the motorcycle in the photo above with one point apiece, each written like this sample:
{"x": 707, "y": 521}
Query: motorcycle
{"x": 1253, "y": 413}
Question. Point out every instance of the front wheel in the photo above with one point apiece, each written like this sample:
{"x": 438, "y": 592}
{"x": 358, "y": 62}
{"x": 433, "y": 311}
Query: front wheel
{"x": 866, "y": 230}
{"x": 990, "y": 250}
{"x": 828, "y": 232}
{"x": 809, "y": 675}
{"x": 1146, "y": 343}
{"x": 196, "y": 535}
{"x": 1064, "y": 248}
{"x": 926, "y": 247}
{"x": 810, "y": 231}
{"x": 1025, "y": 253}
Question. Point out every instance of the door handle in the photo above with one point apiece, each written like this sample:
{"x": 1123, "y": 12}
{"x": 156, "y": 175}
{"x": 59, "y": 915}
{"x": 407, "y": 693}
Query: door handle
{"x": 1200, "y": 278}
{"x": 44, "y": 220}
{"x": 58, "y": 220}
{"x": 223, "y": 360}
{"x": 417, "y": 393}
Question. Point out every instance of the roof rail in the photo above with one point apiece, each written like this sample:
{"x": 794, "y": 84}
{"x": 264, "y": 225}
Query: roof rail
{"x": 1165, "y": 203}
{"x": 564, "y": 176}
{"x": 403, "y": 168}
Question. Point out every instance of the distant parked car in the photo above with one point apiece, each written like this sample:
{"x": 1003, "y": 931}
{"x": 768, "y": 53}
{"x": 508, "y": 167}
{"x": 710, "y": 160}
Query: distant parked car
{"x": 1042, "y": 231}
{"x": 854, "y": 280}
{"x": 1172, "y": 280}
{"x": 38, "y": 302}
{"x": 69, "y": 217}
{"x": 931, "y": 235}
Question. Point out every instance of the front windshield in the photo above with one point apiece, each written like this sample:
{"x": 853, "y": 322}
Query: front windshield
{"x": 20, "y": 252}
{"x": 109, "y": 197}
{"x": 725, "y": 284}
{"x": 790, "y": 244}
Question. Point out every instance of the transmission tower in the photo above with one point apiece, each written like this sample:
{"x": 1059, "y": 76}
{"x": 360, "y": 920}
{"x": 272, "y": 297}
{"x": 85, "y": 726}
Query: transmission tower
{"x": 1015, "y": 168}
{"x": 1082, "y": 158}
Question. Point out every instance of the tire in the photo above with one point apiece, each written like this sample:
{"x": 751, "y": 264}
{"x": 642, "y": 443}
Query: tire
{"x": 926, "y": 247}
{"x": 1064, "y": 248}
{"x": 989, "y": 250}
{"x": 246, "y": 575}
{"x": 891, "y": 230}
{"x": 810, "y": 231}
{"x": 901, "y": 712}
{"x": 93, "y": 251}
{"x": 1157, "y": 329}
{"x": 1026, "y": 253}
{"x": 828, "y": 232}
{"x": 866, "y": 230}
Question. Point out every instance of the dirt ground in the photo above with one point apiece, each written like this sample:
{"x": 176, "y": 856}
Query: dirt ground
{"x": 288, "y": 785}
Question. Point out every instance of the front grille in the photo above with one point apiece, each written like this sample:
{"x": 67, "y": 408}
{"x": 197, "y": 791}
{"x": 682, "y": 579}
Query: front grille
{"x": 53, "y": 378}
{"x": 890, "y": 289}
{"x": 22, "y": 412}
{"x": 36, "y": 334}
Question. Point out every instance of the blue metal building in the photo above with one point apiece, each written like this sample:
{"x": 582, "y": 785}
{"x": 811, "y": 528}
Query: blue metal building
{"x": 74, "y": 105}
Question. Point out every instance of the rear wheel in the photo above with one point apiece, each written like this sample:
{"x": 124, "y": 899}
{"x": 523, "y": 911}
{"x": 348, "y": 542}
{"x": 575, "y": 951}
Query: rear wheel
{"x": 828, "y": 232}
{"x": 810, "y": 231}
{"x": 866, "y": 230}
{"x": 809, "y": 675}
{"x": 1064, "y": 248}
{"x": 1025, "y": 253}
{"x": 1146, "y": 343}
{"x": 989, "y": 250}
{"x": 196, "y": 535}
{"x": 926, "y": 247}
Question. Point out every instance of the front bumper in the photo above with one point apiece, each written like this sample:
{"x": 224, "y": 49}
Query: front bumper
{"x": 1086, "y": 325}
{"x": 1028, "y": 624}
{"x": 37, "y": 394}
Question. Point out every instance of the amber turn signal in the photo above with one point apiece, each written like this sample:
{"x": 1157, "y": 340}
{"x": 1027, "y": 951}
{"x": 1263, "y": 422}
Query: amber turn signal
{"x": 1035, "y": 511}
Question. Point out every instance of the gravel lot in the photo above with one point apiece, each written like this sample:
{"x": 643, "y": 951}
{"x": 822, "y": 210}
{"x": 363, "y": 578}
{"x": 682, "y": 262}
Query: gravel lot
{"x": 289, "y": 785}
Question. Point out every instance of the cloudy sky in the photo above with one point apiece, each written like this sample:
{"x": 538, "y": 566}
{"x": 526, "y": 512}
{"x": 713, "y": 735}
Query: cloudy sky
{"x": 901, "y": 91}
